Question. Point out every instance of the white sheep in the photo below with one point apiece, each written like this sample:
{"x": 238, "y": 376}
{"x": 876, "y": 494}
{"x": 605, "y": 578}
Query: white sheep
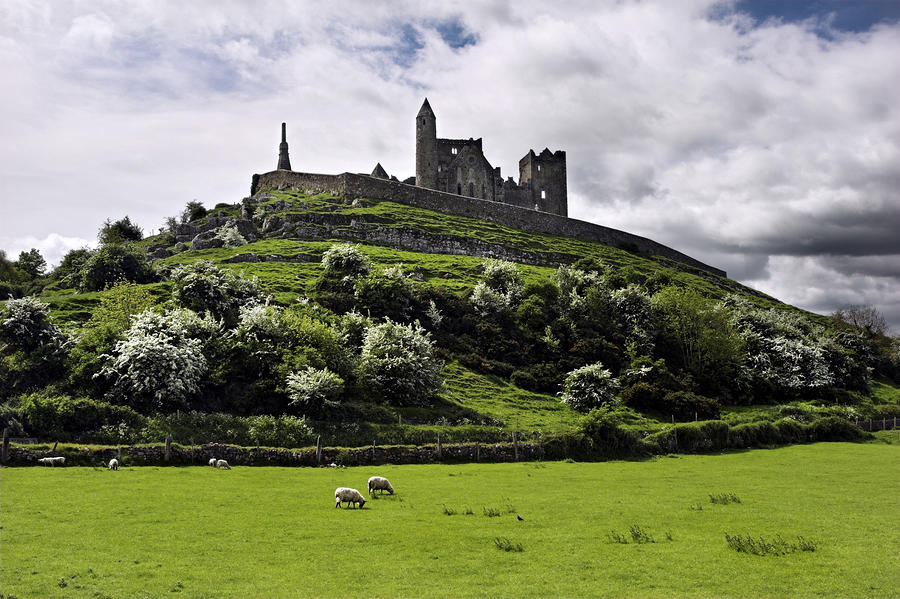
{"x": 349, "y": 495}
{"x": 222, "y": 464}
{"x": 113, "y": 464}
{"x": 212, "y": 462}
{"x": 58, "y": 461}
{"x": 377, "y": 483}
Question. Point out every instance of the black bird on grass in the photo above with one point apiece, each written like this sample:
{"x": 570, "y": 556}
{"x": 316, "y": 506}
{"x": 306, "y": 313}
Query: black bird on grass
{"x": 520, "y": 518}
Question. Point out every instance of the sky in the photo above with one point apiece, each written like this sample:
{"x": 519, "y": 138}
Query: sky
{"x": 760, "y": 137}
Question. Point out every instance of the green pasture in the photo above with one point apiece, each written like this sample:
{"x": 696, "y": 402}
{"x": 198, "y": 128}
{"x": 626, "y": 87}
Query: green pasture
{"x": 274, "y": 532}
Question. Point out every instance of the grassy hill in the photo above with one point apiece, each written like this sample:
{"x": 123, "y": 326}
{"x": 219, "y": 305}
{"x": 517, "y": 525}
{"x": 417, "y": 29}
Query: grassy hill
{"x": 442, "y": 256}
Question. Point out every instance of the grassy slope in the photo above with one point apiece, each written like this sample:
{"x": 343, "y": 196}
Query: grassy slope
{"x": 273, "y": 532}
{"x": 490, "y": 396}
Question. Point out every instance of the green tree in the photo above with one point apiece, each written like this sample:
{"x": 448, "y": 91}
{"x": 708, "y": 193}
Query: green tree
{"x": 112, "y": 264}
{"x": 701, "y": 330}
{"x": 31, "y": 263}
{"x": 120, "y": 231}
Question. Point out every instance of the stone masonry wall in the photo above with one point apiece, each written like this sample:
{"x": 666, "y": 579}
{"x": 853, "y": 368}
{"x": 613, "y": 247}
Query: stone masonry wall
{"x": 351, "y": 186}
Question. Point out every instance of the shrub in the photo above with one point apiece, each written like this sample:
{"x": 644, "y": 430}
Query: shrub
{"x": 200, "y": 427}
{"x": 589, "y": 387}
{"x": 313, "y": 391}
{"x": 832, "y": 428}
{"x": 202, "y": 286}
{"x": 158, "y": 365}
{"x": 387, "y": 293}
{"x": 193, "y": 210}
{"x": 345, "y": 260}
{"x": 120, "y": 231}
{"x": 25, "y": 325}
{"x": 64, "y": 419}
{"x": 643, "y": 396}
{"x": 230, "y": 237}
{"x": 686, "y": 406}
{"x": 501, "y": 288}
{"x": 397, "y": 362}
{"x": 114, "y": 263}
{"x": 524, "y": 380}
{"x": 605, "y": 435}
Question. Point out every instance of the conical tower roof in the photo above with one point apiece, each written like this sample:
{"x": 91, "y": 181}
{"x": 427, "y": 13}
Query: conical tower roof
{"x": 380, "y": 172}
{"x": 426, "y": 109}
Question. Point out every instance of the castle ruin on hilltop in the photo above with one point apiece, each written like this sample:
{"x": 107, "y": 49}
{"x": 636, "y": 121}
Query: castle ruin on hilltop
{"x": 459, "y": 166}
{"x": 454, "y": 177}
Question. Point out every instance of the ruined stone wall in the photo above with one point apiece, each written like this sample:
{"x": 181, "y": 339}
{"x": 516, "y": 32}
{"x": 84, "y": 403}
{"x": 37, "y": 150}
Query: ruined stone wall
{"x": 351, "y": 186}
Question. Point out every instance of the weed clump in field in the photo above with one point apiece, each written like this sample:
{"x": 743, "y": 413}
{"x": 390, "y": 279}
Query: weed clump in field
{"x": 490, "y": 512}
{"x": 638, "y": 535}
{"x": 449, "y": 510}
{"x": 724, "y": 498}
{"x": 505, "y": 544}
{"x": 763, "y": 546}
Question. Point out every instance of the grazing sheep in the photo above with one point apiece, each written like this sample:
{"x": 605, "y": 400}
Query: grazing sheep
{"x": 59, "y": 461}
{"x": 212, "y": 462}
{"x": 222, "y": 464}
{"x": 342, "y": 494}
{"x": 113, "y": 464}
{"x": 379, "y": 483}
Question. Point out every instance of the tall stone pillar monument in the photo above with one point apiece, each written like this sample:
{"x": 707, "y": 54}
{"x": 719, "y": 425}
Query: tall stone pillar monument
{"x": 284, "y": 161}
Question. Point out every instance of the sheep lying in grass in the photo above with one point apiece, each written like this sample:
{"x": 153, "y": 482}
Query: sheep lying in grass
{"x": 379, "y": 483}
{"x": 212, "y": 462}
{"x": 113, "y": 464}
{"x": 59, "y": 461}
{"x": 222, "y": 464}
{"x": 342, "y": 494}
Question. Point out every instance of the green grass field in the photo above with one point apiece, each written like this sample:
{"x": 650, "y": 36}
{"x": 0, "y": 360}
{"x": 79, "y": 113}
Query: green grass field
{"x": 274, "y": 532}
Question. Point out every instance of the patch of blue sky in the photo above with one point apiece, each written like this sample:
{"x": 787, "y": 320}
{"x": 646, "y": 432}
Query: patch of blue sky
{"x": 828, "y": 17}
{"x": 454, "y": 33}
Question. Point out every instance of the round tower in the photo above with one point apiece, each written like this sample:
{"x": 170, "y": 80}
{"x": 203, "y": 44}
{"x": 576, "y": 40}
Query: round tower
{"x": 426, "y": 147}
{"x": 284, "y": 161}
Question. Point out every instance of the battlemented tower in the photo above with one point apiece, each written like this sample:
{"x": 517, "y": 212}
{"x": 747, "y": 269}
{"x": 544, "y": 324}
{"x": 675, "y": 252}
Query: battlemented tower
{"x": 426, "y": 147}
{"x": 284, "y": 161}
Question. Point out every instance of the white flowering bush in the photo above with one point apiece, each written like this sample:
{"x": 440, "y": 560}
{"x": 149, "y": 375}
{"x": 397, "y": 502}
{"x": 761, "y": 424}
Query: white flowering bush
{"x": 589, "y": 387}
{"x": 501, "y": 288}
{"x": 784, "y": 349}
{"x": 344, "y": 259}
{"x": 231, "y": 237}
{"x": 25, "y": 324}
{"x": 260, "y": 323}
{"x": 158, "y": 365}
{"x": 573, "y": 287}
{"x": 397, "y": 363}
{"x": 202, "y": 286}
{"x": 313, "y": 391}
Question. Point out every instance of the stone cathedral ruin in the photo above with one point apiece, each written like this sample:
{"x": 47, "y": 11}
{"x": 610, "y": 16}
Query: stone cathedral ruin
{"x": 454, "y": 177}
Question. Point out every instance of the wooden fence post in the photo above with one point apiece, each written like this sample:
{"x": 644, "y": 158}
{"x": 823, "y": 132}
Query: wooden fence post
{"x": 168, "y": 447}
{"x": 477, "y": 451}
{"x": 439, "y": 447}
{"x": 515, "y": 447}
{"x": 4, "y": 453}
{"x": 319, "y": 450}
{"x": 373, "y": 451}
{"x": 54, "y": 447}
{"x": 119, "y": 453}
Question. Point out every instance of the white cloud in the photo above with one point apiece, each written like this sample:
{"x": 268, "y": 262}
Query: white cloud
{"x": 756, "y": 148}
{"x": 52, "y": 247}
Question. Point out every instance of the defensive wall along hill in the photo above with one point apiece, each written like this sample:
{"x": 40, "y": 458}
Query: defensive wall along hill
{"x": 351, "y": 186}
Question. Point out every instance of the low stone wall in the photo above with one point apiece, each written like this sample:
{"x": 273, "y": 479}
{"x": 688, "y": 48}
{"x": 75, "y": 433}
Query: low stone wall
{"x": 351, "y": 186}
{"x": 155, "y": 455}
